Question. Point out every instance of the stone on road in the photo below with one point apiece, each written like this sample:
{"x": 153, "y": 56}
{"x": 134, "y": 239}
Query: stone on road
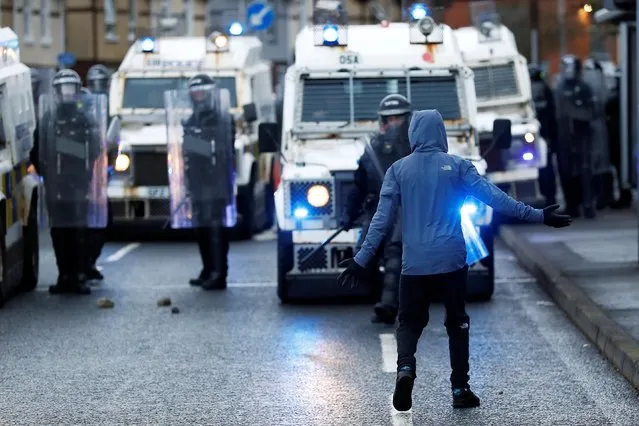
{"x": 240, "y": 357}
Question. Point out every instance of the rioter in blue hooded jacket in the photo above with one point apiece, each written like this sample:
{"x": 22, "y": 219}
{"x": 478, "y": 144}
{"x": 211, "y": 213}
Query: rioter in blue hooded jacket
{"x": 430, "y": 186}
{"x": 386, "y": 146}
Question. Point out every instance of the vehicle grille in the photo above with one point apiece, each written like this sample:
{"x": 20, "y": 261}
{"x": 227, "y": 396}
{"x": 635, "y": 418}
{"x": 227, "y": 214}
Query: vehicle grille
{"x": 150, "y": 169}
{"x": 495, "y": 82}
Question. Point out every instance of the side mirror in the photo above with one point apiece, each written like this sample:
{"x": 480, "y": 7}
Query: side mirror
{"x": 113, "y": 132}
{"x": 268, "y": 136}
{"x": 250, "y": 112}
{"x": 502, "y": 136}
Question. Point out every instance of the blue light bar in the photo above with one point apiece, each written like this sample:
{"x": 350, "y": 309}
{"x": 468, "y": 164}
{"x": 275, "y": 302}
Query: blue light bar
{"x": 330, "y": 34}
{"x": 300, "y": 212}
{"x": 236, "y": 29}
{"x": 418, "y": 11}
{"x": 147, "y": 44}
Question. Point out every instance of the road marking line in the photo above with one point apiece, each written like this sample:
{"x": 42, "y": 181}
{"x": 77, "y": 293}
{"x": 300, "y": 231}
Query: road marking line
{"x": 515, "y": 280}
{"x": 265, "y": 236}
{"x": 389, "y": 352}
{"x": 252, "y": 285}
{"x": 400, "y": 418}
{"x": 122, "y": 252}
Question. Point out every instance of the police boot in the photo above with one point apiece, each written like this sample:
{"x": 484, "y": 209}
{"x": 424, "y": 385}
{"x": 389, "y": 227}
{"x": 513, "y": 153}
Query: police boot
{"x": 204, "y": 275}
{"x": 464, "y": 398}
{"x": 93, "y": 274}
{"x": 69, "y": 285}
{"x": 214, "y": 282}
{"x": 384, "y": 314}
{"x": 403, "y": 395}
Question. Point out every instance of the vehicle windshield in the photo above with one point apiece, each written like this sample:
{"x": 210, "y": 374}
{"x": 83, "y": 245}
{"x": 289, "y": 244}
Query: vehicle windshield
{"x": 495, "y": 82}
{"x": 149, "y": 92}
{"x": 329, "y": 99}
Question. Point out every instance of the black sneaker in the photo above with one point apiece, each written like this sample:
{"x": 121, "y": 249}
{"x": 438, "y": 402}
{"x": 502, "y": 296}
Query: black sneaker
{"x": 402, "y": 397}
{"x": 464, "y": 398}
{"x": 385, "y": 314}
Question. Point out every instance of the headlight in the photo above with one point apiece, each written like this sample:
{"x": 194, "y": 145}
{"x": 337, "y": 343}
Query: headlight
{"x": 529, "y": 137}
{"x": 122, "y": 162}
{"x": 318, "y": 196}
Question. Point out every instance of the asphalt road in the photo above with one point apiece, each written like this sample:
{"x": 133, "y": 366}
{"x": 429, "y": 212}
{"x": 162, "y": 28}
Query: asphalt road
{"x": 239, "y": 357}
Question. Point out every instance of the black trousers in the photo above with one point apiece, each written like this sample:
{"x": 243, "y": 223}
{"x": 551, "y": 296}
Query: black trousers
{"x": 547, "y": 185}
{"x": 213, "y": 244}
{"x": 96, "y": 238}
{"x": 578, "y": 191}
{"x": 392, "y": 261}
{"x": 70, "y": 251}
{"x": 416, "y": 292}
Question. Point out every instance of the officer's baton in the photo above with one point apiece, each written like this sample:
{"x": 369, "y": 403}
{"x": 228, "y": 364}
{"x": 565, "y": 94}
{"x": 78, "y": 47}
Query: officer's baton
{"x": 321, "y": 246}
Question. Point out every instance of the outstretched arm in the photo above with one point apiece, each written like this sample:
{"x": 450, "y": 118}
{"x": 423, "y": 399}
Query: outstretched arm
{"x": 383, "y": 220}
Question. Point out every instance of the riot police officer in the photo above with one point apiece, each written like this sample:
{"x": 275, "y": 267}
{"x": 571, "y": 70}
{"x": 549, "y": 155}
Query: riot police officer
{"x": 97, "y": 82}
{"x": 70, "y": 149}
{"x": 387, "y": 146}
{"x": 545, "y": 111}
{"x": 576, "y": 109}
{"x": 209, "y": 182}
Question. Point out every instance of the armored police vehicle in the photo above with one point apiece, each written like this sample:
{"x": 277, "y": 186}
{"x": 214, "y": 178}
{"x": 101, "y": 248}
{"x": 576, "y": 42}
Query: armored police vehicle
{"x": 503, "y": 90}
{"x": 331, "y": 95}
{"x": 19, "y": 217}
{"x": 138, "y": 187}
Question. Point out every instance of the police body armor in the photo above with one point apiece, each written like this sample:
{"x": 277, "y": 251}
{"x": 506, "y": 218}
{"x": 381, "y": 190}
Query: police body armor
{"x": 201, "y": 166}
{"x": 74, "y": 162}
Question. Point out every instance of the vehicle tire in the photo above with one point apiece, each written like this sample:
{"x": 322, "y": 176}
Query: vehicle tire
{"x": 246, "y": 206}
{"x": 284, "y": 263}
{"x": 488, "y": 237}
{"x": 4, "y": 285}
{"x": 269, "y": 200}
{"x": 31, "y": 261}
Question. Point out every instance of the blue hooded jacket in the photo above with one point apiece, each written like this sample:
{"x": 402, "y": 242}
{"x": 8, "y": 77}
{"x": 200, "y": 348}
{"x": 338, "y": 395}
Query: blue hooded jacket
{"x": 431, "y": 186}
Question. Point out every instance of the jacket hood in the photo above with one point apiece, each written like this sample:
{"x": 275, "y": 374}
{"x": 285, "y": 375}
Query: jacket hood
{"x": 427, "y": 132}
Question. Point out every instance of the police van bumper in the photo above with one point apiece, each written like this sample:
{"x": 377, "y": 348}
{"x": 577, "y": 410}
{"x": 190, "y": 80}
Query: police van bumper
{"x": 317, "y": 278}
{"x": 138, "y": 205}
{"x": 521, "y": 184}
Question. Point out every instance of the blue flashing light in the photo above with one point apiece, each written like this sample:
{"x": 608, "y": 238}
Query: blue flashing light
{"x": 147, "y": 44}
{"x": 330, "y": 34}
{"x": 528, "y": 156}
{"x": 469, "y": 209}
{"x": 236, "y": 29}
{"x": 300, "y": 213}
{"x": 418, "y": 11}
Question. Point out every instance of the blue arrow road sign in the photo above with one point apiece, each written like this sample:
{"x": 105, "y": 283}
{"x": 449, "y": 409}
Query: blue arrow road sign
{"x": 259, "y": 16}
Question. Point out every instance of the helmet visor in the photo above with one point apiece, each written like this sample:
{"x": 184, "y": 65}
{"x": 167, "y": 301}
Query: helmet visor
{"x": 200, "y": 93}
{"x": 67, "y": 91}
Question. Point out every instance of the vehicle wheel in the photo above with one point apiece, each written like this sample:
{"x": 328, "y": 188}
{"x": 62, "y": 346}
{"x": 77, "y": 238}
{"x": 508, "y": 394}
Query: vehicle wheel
{"x": 284, "y": 263}
{"x": 269, "y": 200}
{"x": 4, "y": 290}
{"x": 246, "y": 205}
{"x": 31, "y": 261}
{"x": 486, "y": 293}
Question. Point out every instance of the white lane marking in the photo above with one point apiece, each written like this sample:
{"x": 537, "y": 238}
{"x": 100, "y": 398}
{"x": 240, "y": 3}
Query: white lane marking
{"x": 389, "y": 352}
{"x": 252, "y": 285}
{"x": 515, "y": 280}
{"x": 269, "y": 235}
{"x": 400, "y": 418}
{"x": 122, "y": 252}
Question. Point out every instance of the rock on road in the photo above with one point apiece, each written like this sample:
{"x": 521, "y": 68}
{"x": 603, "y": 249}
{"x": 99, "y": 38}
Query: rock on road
{"x": 239, "y": 357}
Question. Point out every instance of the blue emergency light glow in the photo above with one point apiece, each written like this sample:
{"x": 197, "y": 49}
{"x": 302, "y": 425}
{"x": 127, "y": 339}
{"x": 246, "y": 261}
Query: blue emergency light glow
{"x": 418, "y": 11}
{"x": 330, "y": 33}
{"x": 236, "y": 29}
{"x": 469, "y": 209}
{"x": 300, "y": 213}
{"x": 148, "y": 44}
{"x": 528, "y": 156}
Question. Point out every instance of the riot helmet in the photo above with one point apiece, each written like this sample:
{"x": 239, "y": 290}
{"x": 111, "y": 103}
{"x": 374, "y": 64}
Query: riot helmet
{"x": 201, "y": 92}
{"x": 98, "y": 79}
{"x": 394, "y": 113}
{"x": 66, "y": 85}
{"x": 570, "y": 67}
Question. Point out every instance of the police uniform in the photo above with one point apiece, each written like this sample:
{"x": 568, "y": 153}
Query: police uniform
{"x": 385, "y": 149}
{"x": 209, "y": 183}
{"x": 67, "y": 126}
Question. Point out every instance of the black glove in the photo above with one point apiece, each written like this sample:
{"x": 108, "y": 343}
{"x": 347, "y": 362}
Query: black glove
{"x": 555, "y": 220}
{"x": 353, "y": 274}
{"x": 346, "y": 223}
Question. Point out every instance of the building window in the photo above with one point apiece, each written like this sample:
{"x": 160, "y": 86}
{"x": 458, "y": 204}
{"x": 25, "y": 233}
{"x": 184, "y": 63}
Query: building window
{"x": 45, "y": 22}
{"x": 132, "y": 23}
{"x": 189, "y": 17}
{"x": 110, "y": 21}
{"x": 27, "y": 14}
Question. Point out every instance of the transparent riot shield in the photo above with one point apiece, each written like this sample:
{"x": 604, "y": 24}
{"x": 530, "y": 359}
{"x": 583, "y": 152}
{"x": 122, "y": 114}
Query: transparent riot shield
{"x": 201, "y": 163}
{"x": 475, "y": 248}
{"x": 73, "y": 159}
{"x": 595, "y": 78}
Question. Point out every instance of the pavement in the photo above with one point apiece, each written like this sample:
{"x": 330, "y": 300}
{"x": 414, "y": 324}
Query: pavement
{"x": 239, "y": 357}
{"x": 591, "y": 270}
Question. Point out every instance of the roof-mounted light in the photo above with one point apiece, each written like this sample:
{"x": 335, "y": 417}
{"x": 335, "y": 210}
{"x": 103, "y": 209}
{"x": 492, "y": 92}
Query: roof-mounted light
{"x": 217, "y": 42}
{"x": 236, "y": 29}
{"x": 418, "y": 11}
{"x": 147, "y": 45}
{"x": 9, "y": 51}
{"x": 330, "y": 34}
{"x": 330, "y": 22}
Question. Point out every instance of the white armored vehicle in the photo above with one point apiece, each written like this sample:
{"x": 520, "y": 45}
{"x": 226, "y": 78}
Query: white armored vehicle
{"x": 503, "y": 90}
{"x": 331, "y": 95}
{"x": 138, "y": 187}
{"x": 20, "y": 190}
